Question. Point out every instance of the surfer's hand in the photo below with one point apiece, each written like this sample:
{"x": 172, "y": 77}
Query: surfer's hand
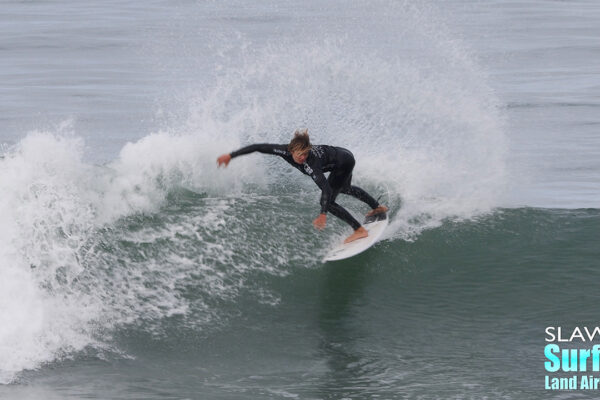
{"x": 223, "y": 160}
{"x": 320, "y": 222}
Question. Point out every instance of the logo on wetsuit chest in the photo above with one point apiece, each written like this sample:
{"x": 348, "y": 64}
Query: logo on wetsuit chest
{"x": 308, "y": 169}
{"x": 317, "y": 151}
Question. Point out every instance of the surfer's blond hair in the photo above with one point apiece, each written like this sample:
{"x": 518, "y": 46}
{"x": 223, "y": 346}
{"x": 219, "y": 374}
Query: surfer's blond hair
{"x": 300, "y": 142}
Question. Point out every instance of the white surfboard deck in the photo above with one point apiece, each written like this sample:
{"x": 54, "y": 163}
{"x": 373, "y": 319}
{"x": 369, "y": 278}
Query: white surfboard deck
{"x": 375, "y": 225}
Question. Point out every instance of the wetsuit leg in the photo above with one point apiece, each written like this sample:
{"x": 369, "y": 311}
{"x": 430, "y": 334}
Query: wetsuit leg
{"x": 361, "y": 195}
{"x": 338, "y": 179}
{"x": 343, "y": 214}
{"x": 346, "y": 167}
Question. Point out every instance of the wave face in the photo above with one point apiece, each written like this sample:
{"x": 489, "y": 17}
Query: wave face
{"x": 158, "y": 236}
{"x": 203, "y": 284}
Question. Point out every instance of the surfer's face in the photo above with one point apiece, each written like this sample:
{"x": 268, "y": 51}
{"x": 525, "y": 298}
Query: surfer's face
{"x": 300, "y": 156}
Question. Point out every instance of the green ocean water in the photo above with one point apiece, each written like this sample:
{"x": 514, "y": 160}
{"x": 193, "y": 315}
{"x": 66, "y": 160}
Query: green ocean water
{"x": 458, "y": 312}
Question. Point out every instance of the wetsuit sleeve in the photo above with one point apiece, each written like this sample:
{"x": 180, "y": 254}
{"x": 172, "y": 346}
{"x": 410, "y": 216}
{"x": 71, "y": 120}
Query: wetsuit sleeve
{"x": 266, "y": 148}
{"x": 319, "y": 178}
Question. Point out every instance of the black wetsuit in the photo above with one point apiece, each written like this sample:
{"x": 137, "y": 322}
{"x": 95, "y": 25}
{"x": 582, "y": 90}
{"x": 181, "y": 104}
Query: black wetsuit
{"x": 336, "y": 160}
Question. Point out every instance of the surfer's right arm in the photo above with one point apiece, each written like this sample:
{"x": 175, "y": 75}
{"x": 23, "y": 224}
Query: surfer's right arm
{"x": 266, "y": 148}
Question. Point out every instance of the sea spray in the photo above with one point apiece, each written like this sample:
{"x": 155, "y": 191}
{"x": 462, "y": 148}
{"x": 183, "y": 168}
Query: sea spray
{"x": 430, "y": 134}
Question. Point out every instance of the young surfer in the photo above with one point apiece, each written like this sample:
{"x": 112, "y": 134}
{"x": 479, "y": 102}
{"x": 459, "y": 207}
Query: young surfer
{"x": 315, "y": 161}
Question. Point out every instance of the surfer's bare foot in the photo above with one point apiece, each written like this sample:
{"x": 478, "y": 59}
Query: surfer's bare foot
{"x": 378, "y": 210}
{"x": 358, "y": 234}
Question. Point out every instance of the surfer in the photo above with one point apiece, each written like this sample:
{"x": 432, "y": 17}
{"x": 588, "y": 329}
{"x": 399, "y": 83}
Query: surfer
{"x": 315, "y": 160}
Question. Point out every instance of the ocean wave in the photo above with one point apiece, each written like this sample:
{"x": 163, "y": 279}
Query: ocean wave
{"x": 85, "y": 249}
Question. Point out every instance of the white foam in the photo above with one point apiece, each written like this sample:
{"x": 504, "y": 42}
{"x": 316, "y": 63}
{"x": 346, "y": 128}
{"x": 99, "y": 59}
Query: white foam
{"x": 65, "y": 277}
{"x": 45, "y": 215}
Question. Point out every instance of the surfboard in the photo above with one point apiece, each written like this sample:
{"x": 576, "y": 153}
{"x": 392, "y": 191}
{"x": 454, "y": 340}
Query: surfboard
{"x": 375, "y": 224}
